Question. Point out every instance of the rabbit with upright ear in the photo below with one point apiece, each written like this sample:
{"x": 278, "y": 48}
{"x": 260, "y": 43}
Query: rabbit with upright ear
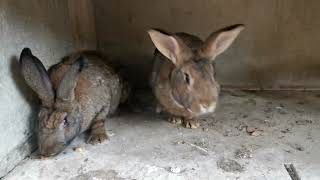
{"x": 77, "y": 94}
{"x": 183, "y": 77}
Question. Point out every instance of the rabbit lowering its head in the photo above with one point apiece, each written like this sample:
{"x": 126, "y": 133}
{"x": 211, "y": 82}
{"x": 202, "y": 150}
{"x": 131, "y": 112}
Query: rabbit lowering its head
{"x": 183, "y": 77}
{"x": 77, "y": 94}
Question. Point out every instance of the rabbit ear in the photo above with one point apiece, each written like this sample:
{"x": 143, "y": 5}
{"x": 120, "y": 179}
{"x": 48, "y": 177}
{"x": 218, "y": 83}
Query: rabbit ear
{"x": 36, "y": 77}
{"x": 219, "y": 41}
{"x": 65, "y": 91}
{"x": 170, "y": 46}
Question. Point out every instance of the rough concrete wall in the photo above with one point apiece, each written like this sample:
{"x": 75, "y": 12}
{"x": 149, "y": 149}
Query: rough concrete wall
{"x": 278, "y": 49}
{"x": 43, "y": 26}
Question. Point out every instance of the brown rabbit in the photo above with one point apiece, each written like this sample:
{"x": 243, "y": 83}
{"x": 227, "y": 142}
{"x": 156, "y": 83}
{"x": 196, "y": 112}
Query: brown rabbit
{"x": 77, "y": 94}
{"x": 183, "y": 77}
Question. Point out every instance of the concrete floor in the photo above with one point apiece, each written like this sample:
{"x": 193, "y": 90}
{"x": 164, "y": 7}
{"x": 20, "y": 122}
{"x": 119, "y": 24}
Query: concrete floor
{"x": 252, "y": 136}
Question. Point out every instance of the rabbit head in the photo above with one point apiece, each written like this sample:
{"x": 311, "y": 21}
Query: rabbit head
{"x": 59, "y": 117}
{"x": 191, "y": 78}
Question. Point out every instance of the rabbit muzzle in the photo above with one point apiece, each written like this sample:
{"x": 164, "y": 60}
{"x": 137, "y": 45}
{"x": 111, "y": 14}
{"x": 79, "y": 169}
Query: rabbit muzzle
{"x": 52, "y": 144}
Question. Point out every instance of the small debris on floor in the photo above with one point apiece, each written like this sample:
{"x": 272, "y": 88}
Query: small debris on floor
{"x": 303, "y": 122}
{"x": 78, "y": 150}
{"x": 287, "y": 130}
{"x": 196, "y": 145}
{"x": 202, "y": 143}
{"x": 175, "y": 170}
{"x": 180, "y": 142}
{"x": 244, "y": 116}
{"x": 241, "y": 126}
{"x": 243, "y": 153}
{"x": 230, "y": 165}
{"x": 205, "y": 151}
{"x": 296, "y": 146}
{"x": 281, "y": 109}
{"x": 253, "y": 131}
{"x": 288, "y": 151}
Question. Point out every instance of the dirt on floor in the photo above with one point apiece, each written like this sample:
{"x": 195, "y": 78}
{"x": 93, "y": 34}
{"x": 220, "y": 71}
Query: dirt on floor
{"x": 252, "y": 135}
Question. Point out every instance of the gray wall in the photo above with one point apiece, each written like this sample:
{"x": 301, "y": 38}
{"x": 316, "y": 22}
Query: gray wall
{"x": 279, "y": 48}
{"x": 44, "y": 27}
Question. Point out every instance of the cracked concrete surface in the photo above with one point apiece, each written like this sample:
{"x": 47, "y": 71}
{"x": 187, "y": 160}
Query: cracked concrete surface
{"x": 143, "y": 145}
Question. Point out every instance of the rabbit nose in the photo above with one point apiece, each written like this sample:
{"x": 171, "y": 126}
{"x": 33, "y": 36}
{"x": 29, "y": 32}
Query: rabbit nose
{"x": 50, "y": 146}
{"x": 52, "y": 150}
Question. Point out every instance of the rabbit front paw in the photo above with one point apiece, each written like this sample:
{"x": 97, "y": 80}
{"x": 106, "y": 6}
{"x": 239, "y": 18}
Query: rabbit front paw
{"x": 175, "y": 120}
{"x": 97, "y": 138}
{"x": 191, "y": 123}
{"x": 98, "y": 133}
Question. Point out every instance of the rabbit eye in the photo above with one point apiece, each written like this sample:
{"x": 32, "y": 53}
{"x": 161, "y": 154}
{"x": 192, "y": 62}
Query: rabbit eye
{"x": 187, "y": 78}
{"x": 65, "y": 122}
